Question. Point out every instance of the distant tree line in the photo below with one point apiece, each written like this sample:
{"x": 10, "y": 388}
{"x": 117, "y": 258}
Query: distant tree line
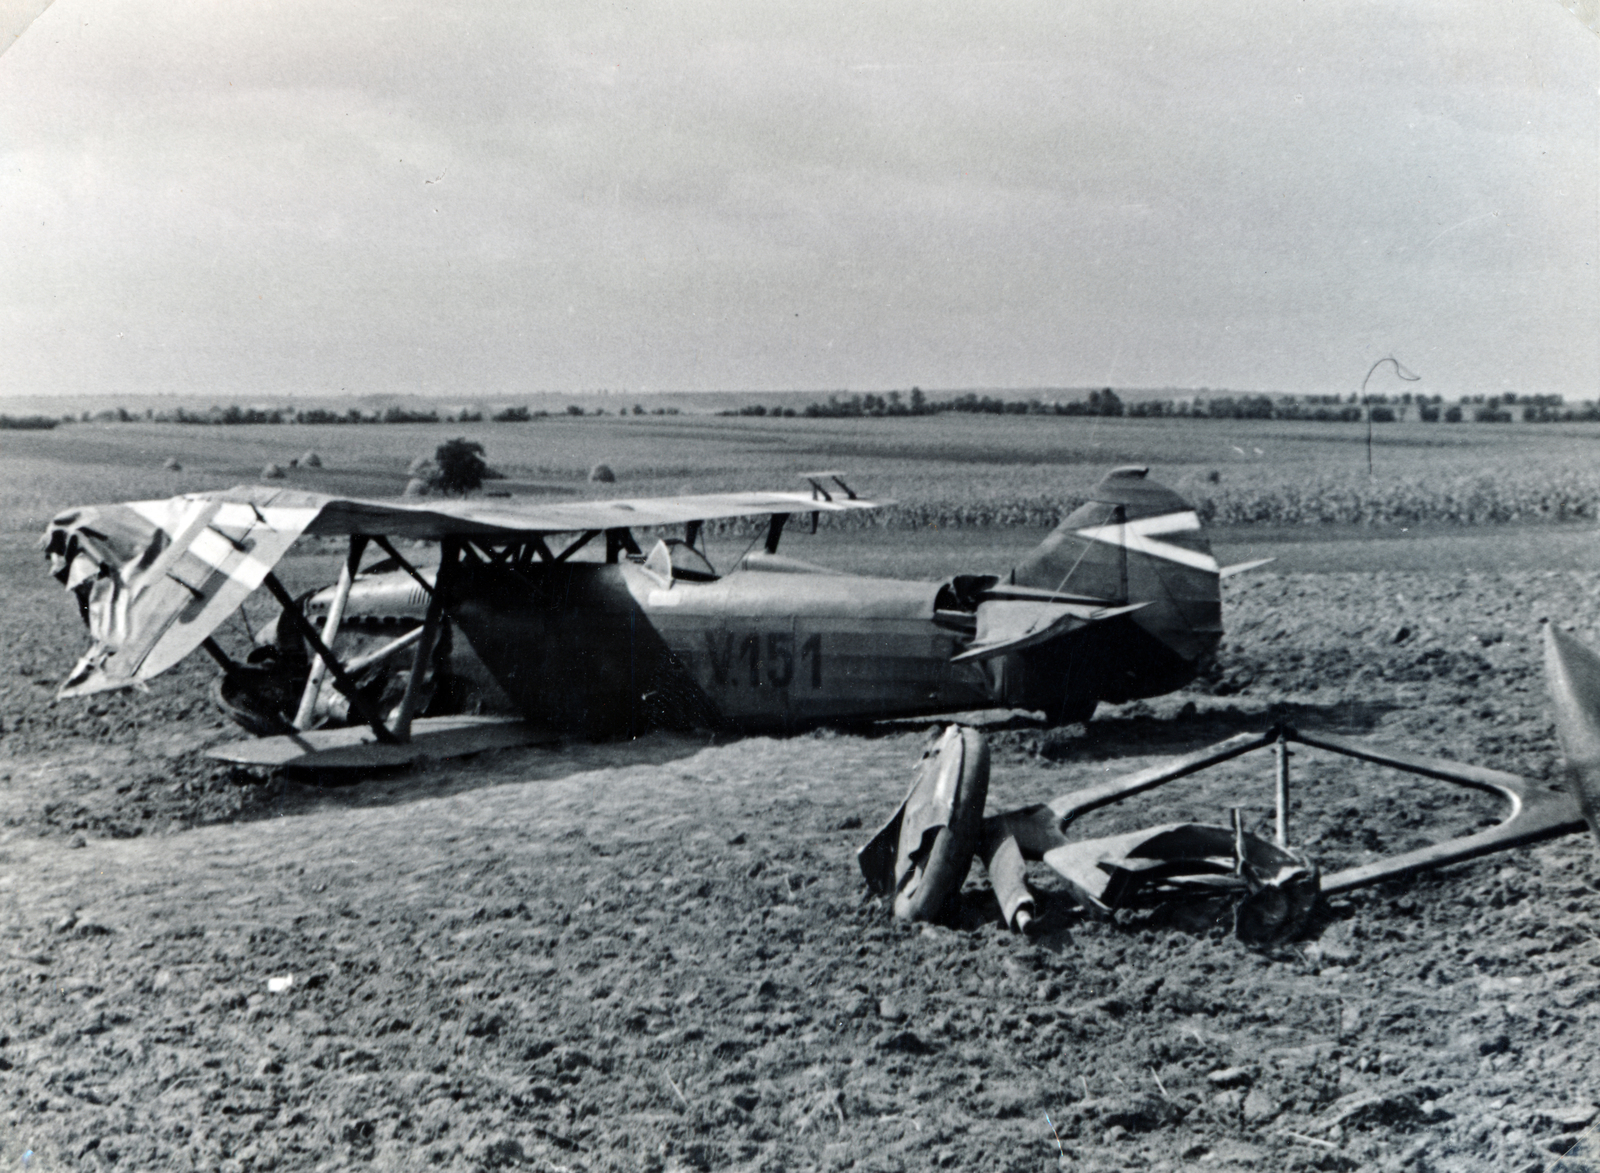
{"x": 234, "y": 414}
{"x": 1106, "y": 402}
{"x": 27, "y": 423}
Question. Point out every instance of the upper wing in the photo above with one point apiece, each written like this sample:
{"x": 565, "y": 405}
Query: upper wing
{"x": 446, "y": 519}
{"x": 155, "y": 578}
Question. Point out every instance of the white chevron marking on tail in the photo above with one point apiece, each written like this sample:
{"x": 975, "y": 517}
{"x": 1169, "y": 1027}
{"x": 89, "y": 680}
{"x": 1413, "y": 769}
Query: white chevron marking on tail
{"x": 1136, "y": 536}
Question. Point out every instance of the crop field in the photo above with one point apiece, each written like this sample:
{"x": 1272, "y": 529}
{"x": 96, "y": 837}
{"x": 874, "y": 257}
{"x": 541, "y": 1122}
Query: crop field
{"x": 945, "y": 471}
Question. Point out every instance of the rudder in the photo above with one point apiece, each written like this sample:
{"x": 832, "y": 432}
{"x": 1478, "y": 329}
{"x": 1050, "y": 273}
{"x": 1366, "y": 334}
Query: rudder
{"x": 1134, "y": 541}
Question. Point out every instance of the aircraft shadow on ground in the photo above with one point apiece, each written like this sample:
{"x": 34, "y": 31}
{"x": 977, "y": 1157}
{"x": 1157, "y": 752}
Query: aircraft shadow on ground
{"x": 289, "y": 792}
{"x": 1142, "y": 734}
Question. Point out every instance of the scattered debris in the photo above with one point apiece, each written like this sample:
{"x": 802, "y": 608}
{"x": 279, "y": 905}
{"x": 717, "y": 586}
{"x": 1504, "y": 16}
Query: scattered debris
{"x": 922, "y": 853}
{"x": 1059, "y": 1149}
{"x": 678, "y": 1091}
{"x": 1572, "y": 677}
{"x": 1107, "y": 874}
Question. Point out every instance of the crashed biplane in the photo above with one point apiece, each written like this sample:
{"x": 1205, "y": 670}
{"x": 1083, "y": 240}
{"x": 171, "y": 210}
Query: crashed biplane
{"x": 514, "y": 634}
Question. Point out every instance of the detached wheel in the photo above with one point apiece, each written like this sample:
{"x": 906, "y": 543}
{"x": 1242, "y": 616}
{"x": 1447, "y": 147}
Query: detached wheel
{"x": 943, "y": 824}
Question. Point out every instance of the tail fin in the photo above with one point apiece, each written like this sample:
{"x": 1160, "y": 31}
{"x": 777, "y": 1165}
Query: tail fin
{"x": 1136, "y": 542}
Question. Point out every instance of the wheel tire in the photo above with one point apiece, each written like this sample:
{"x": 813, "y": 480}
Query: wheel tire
{"x": 941, "y": 875}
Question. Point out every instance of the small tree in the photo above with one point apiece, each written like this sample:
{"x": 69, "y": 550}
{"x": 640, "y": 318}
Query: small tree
{"x": 461, "y": 466}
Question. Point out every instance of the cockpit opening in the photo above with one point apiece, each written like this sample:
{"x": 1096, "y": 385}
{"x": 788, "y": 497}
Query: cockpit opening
{"x": 676, "y": 559}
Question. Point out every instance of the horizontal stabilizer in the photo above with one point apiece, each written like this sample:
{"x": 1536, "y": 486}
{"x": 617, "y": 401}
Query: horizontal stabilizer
{"x": 1241, "y": 567}
{"x": 1006, "y": 590}
{"x": 1013, "y": 625}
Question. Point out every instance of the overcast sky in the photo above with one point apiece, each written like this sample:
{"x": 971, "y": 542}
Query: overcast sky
{"x": 256, "y": 199}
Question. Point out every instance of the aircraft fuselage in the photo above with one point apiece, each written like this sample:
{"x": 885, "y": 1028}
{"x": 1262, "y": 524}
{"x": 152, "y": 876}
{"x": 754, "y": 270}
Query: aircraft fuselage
{"x": 607, "y": 646}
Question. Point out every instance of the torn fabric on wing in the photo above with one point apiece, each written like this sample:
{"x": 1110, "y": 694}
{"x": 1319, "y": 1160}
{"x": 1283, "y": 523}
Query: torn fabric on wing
{"x": 155, "y": 578}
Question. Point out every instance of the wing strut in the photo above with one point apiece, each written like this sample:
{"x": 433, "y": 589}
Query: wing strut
{"x": 341, "y": 678}
{"x": 578, "y": 543}
{"x": 1536, "y": 813}
{"x": 1119, "y": 515}
{"x": 449, "y": 550}
{"x": 388, "y": 548}
{"x": 775, "y": 531}
{"x": 533, "y": 547}
{"x": 410, "y": 736}
{"x": 330, "y": 629}
{"x": 618, "y": 540}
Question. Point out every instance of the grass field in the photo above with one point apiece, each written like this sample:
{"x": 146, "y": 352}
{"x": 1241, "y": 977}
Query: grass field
{"x": 946, "y": 471}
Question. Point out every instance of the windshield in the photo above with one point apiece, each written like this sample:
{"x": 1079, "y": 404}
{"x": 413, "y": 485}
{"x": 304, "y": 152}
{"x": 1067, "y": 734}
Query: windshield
{"x": 681, "y": 560}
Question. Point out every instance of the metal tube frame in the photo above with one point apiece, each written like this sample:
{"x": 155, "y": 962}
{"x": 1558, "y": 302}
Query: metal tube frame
{"x": 1280, "y": 793}
{"x": 342, "y": 679}
{"x": 1536, "y": 814}
{"x": 330, "y": 629}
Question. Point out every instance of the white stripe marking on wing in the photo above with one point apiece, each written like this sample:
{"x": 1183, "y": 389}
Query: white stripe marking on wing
{"x": 216, "y": 551}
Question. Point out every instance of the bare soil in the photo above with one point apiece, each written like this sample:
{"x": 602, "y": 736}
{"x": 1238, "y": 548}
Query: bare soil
{"x": 661, "y": 955}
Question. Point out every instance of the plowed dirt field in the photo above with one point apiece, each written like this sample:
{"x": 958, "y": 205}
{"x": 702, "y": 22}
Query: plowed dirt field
{"x": 661, "y": 955}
